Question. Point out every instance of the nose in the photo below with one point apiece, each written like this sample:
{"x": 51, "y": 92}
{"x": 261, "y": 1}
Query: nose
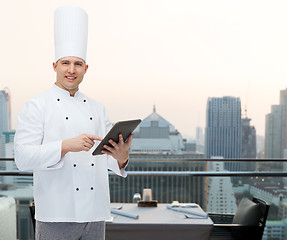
{"x": 71, "y": 69}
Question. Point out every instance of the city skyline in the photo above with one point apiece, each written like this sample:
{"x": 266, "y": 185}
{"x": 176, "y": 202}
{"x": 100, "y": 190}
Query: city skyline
{"x": 172, "y": 54}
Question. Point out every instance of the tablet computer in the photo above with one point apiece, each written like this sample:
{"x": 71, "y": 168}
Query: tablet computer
{"x": 123, "y": 127}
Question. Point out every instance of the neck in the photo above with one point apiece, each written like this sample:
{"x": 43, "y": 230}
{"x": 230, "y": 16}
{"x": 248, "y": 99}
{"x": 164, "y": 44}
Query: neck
{"x": 71, "y": 91}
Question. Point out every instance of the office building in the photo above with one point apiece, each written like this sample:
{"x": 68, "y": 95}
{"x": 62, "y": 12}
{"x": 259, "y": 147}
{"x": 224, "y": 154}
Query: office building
{"x": 275, "y": 230}
{"x": 199, "y": 136}
{"x": 282, "y": 211}
{"x": 271, "y": 193}
{"x": 260, "y": 146}
{"x": 275, "y": 129}
{"x": 189, "y": 146}
{"x": 220, "y": 195}
{"x": 199, "y": 139}
{"x": 5, "y": 111}
{"x": 223, "y": 132}
{"x": 7, "y": 138}
{"x": 248, "y": 145}
{"x": 155, "y": 134}
{"x": 274, "y": 137}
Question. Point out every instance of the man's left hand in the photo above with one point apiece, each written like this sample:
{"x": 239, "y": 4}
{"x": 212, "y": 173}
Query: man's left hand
{"x": 120, "y": 150}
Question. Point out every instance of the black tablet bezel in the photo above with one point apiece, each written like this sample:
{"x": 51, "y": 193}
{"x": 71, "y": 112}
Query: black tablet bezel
{"x": 123, "y": 127}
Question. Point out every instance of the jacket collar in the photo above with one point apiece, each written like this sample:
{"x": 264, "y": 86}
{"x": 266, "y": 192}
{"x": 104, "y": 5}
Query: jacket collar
{"x": 63, "y": 92}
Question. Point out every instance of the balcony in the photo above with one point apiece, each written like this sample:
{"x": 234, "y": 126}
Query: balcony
{"x": 182, "y": 179}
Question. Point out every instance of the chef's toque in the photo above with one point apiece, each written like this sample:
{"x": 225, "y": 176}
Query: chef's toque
{"x": 70, "y": 32}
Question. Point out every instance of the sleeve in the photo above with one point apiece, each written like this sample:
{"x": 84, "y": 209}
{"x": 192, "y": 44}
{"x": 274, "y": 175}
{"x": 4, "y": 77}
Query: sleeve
{"x": 112, "y": 162}
{"x": 30, "y": 152}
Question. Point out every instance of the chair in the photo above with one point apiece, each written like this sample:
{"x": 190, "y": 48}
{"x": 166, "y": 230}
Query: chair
{"x": 247, "y": 223}
{"x": 32, "y": 213}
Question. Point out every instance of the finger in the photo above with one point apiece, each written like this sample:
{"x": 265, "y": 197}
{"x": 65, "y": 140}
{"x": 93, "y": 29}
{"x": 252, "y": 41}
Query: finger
{"x": 114, "y": 144}
{"x": 88, "y": 142}
{"x": 86, "y": 149}
{"x": 106, "y": 152}
{"x": 111, "y": 141}
{"x": 108, "y": 148}
{"x": 129, "y": 141}
{"x": 121, "y": 139}
{"x": 94, "y": 137}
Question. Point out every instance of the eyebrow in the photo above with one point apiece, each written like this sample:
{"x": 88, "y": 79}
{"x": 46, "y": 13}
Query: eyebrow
{"x": 70, "y": 61}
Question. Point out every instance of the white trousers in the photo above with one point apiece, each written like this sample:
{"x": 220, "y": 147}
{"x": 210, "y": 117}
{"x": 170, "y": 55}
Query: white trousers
{"x": 70, "y": 231}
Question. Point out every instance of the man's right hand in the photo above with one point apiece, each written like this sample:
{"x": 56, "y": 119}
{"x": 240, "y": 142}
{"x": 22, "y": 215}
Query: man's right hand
{"x": 83, "y": 142}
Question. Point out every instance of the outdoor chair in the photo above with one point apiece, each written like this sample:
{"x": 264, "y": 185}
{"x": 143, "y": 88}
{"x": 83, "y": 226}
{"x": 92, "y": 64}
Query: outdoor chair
{"x": 32, "y": 214}
{"x": 247, "y": 223}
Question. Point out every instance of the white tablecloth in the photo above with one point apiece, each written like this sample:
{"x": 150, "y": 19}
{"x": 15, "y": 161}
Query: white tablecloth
{"x": 157, "y": 223}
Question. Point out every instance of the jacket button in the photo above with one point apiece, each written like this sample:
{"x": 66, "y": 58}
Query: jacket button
{"x": 91, "y": 118}
{"x": 67, "y": 118}
{"x": 75, "y": 165}
{"x": 92, "y": 188}
{"x": 92, "y": 164}
{"x": 85, "y": 100}
{"x": 77, "y": 189}
{"x": 58, "y": 99}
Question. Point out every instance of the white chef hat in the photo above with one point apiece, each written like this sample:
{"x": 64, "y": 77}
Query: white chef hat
{"x": 70, "y": 32}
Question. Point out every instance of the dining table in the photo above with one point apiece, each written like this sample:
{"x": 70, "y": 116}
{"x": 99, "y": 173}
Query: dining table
{"x": 185, "y": 221}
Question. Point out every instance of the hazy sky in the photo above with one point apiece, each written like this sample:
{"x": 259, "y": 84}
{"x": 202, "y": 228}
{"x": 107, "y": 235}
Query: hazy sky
{"x": 171, "y": 53}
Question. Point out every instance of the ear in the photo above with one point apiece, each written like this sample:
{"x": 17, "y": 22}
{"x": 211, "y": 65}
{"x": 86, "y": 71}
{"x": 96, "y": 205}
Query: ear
{"x": 86, "y": 67}
{"x": 54, "y": 66}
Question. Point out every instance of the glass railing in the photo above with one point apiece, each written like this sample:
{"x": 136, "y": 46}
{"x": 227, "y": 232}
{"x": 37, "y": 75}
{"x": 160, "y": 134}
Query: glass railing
{"x": 185, "y": 180}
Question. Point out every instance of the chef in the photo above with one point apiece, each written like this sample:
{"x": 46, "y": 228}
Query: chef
{"x": 56, "y": 134}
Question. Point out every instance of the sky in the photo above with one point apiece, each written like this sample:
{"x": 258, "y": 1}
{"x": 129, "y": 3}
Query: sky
{"x": 173, "y": 54}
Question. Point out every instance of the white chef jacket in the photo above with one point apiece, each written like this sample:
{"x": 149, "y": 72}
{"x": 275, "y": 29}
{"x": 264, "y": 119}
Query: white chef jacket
{"x": 74, "y": 188}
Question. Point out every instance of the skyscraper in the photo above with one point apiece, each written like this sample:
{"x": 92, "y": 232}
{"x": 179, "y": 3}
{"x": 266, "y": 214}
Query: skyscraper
{"x": 199, "y": 136}
{"x": 275, "y": 129}
{"x": 248, "y": 144}
{"x": 221, "y": 197}
{"x": 5, "y": 110}
{"x": 7, "y": 139}
{"x": 223, "y": 132}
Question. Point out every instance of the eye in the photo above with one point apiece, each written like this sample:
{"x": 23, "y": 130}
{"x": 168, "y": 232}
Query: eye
{"x": 79, "y": 64}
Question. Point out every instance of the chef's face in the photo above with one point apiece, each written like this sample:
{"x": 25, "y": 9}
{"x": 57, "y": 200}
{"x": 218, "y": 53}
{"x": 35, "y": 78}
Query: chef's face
{"x": 70, "y": 73}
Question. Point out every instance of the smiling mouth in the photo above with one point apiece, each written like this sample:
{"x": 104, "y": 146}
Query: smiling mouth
{"x": 70, "y": 78}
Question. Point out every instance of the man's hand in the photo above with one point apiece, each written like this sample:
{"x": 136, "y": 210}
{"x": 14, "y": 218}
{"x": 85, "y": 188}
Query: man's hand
{"x": 119, "y": 151}
{"x": 83, "y": 142}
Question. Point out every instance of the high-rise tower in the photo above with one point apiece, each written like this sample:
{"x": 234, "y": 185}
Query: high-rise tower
{"x": 5, "y": 110}
{"x": 223, "y": 132}
{"x": 275, "y": 129}
{"x": 248, "y": 144}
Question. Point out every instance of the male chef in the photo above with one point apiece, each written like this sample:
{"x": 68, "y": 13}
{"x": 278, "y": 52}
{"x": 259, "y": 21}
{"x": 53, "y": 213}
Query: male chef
{"x": 55, "y": 138}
